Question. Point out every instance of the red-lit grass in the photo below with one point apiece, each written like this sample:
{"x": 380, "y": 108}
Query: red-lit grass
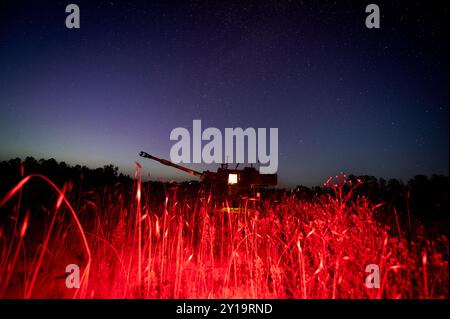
{"x": 186, "y": 247}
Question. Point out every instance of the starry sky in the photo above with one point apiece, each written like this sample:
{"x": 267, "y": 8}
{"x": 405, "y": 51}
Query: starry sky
{"x": 344, "y": 98}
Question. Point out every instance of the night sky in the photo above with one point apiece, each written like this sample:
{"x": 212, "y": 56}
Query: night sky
{"x": 344, "y": 98}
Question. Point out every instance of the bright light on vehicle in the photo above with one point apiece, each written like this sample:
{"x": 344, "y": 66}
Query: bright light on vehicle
{"x": 232, "y": 178}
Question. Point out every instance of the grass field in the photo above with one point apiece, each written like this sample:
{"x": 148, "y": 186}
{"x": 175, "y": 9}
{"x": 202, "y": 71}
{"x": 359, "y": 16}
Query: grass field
{"x": 132, "y": 243}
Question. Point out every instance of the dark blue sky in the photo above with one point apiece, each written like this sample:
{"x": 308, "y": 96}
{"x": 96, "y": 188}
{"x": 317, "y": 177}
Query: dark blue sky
{"x": 345, "y": 98}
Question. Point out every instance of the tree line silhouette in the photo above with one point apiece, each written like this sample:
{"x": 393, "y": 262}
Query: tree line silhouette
{"x": 422, "y": 197}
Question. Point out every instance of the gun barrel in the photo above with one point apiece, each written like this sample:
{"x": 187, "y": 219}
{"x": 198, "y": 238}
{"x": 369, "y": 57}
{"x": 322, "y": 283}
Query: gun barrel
{"x": 168, "y": 163}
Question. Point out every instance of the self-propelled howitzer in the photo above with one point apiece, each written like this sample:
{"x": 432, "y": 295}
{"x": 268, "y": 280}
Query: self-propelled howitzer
{"x": 226, "y": 181}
